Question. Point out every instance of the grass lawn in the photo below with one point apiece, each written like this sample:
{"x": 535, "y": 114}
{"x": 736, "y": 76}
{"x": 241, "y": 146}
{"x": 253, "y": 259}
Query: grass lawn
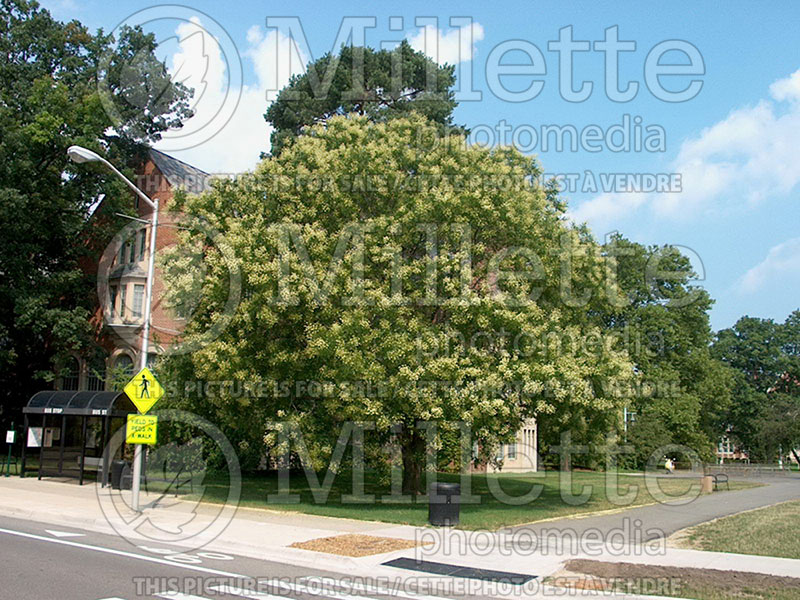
{"x": 491, "y": 513}
{"x": 770, "y": 531}
{"x": 680, "y": 582}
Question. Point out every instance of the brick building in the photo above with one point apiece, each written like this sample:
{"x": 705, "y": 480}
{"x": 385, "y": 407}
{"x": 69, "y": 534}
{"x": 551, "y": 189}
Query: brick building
{"x": 122, "y": 277}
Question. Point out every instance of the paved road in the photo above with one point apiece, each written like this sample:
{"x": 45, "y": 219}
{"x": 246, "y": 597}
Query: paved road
{"x": 647, "y": 523}
{"x": 43, "y": 562}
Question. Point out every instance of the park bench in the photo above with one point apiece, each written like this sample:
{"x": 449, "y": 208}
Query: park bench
{"x": 91, "y": 462}
{"x": 720, "y": 478}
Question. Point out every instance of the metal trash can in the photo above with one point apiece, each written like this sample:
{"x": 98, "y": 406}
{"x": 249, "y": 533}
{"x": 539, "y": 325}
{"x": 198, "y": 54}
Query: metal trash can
{"x": 444, "y": 504}
{"x": 119, "y": 468}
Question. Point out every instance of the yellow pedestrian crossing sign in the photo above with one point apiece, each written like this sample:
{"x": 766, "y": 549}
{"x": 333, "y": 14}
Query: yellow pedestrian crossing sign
{"x": 144, "y": 390}
{"x": 141, "y": 429}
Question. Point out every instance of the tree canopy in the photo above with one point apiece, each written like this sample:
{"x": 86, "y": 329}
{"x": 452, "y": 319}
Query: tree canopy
{"x": 59, "y": 81}
{"x": 422, "y": 283}
{"x": 765, "y": 414}
{"x": 682, "y": 392}
{"x": 379, "y": 84}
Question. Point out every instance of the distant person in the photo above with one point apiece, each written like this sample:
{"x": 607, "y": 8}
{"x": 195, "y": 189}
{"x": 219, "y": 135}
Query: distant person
{"x": 669, "y": 466}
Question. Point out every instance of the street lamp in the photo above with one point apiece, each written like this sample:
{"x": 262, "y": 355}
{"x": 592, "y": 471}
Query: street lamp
{"x": 78, "y": 154}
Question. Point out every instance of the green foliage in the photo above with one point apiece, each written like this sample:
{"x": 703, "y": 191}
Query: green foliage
{"x": 344, "y": 285}
{"x": 379, "y": 84}
{"x": 51, "y": 98}
{"x": 765, "y": 415}
{"x": 683, "y": 392}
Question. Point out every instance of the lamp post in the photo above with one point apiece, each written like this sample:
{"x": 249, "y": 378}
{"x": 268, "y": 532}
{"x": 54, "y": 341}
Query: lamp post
{"x": 78, "y": 154}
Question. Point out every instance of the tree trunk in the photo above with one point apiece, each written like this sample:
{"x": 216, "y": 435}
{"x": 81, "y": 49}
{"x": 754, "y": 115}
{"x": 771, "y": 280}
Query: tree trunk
{"x": 413, "y": 453}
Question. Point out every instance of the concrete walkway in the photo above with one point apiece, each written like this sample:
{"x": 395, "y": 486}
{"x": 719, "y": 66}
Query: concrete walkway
{"x": 268, "y": 535}
{"x": 645, "y": 523}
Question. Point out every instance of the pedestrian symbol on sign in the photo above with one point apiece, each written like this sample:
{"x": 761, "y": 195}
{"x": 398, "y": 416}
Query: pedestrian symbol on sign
{"x": 144, "y": 390}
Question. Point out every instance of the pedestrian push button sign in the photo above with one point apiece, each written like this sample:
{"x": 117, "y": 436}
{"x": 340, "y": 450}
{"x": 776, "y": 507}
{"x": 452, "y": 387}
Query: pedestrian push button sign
{"x": 141, "y": 429}
{"x": 144, "y": 390}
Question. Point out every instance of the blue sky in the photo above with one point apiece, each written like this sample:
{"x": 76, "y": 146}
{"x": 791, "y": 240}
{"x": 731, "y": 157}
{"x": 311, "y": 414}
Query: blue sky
{"x": 733, "y": 144}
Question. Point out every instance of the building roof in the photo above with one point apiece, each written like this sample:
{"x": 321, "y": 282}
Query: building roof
{"x": 88, "y": 404}
{"x": 179, "y": 174}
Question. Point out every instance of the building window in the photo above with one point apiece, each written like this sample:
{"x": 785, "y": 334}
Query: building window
{"x": 124, "y": 364}
{"x": 121, "y": 257}
{"x": 97, "y": 375}
{"x": 123, "y": 304}
{"x": 142, "y": 243}
{"x": 138, "y": 301}
{"x": 72, "y": 374}
{"x": 112, "y": 290}
{"x": 131, "y": 250}
{"x": 512, "y": 451}
{"x": 499, "y": 455}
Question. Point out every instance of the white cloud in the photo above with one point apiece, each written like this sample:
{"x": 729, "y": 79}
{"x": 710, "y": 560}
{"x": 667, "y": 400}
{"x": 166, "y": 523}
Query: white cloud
{"x": 782, "y": 262}
{"x": 198, "y": 61}
{"x": 743, "y": 159}
{"x": 453, "y": 47}
{"x": 607, "y": 207}
{"x": 275, "y": 58}
{"x": 243, "y": 133}
{"x": 786, "y": 89}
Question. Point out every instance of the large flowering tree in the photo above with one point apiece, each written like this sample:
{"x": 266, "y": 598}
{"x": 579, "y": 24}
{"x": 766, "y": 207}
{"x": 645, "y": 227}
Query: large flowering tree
{"x": 420, "y": 279}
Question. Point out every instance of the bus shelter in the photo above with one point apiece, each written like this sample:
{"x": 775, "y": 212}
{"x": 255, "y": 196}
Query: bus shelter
{"x": 71, "y": 430}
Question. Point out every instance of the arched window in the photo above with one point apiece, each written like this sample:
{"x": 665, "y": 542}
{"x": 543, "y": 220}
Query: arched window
{"x": 96, "y": 381}
{"x": 124, "y": 364}
{"x": 71, "y": 375}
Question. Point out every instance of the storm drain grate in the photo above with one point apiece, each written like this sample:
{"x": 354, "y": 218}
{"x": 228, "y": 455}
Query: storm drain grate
{"x": 437, "y": 568}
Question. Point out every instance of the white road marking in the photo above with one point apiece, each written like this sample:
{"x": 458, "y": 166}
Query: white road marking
{"x": 189, "y": 559}
{"x": 178, "y": 596}
{"x": 143, "y": 557}
{"x": 214, "y": 556}
{"x": 154, "y": 550}
{"x": 234, "y": 591}
{"x": 63, "y": 534}
{"x": 292, "y": 587}
{"x": 399, "y": 593}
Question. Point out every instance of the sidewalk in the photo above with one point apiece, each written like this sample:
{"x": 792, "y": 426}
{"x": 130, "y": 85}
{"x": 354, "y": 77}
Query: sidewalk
{"x": 662, "y": 520}
{"x": 267, "y": 535}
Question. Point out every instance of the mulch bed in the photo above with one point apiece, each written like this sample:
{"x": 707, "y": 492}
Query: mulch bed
{"x": 354, "y": 544}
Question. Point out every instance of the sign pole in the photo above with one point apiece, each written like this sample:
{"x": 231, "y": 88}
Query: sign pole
{"x": 137, "y": 452}
{"x": 81, "y": 155}
{"x": 10, "y": 445}
{"x": 137, "y": 475}
{"x": 144, "y": 390}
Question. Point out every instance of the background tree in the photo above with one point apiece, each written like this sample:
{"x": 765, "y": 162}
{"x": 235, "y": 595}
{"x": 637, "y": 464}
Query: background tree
{"x": 682, "y": 392}
{"x": 53, "y": 95}
{"x": 765, "y": 413}
{"x": 345, "y": 284}
{"x": 380, "y": 85}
